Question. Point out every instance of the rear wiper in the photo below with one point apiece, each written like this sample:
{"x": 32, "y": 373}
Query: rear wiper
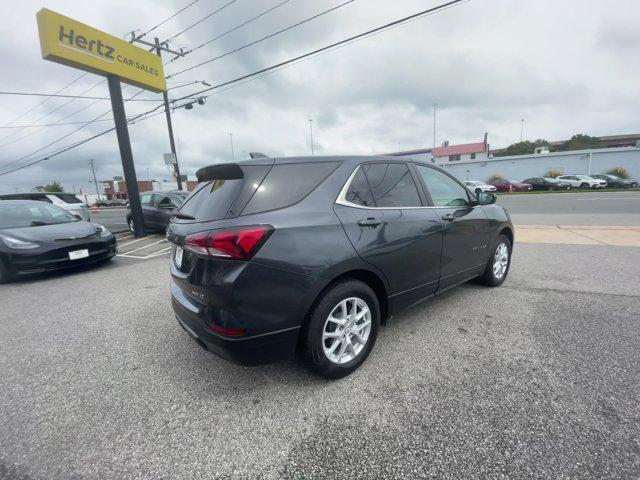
{"x": 184, "y": 216}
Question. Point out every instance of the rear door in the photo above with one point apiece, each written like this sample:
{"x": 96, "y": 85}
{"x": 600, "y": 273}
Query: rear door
{"x": 384, "y": 217}
{"x": 148, "y": 209}
{"x": 466, "y": 226}
{"x": 165, "y": 208}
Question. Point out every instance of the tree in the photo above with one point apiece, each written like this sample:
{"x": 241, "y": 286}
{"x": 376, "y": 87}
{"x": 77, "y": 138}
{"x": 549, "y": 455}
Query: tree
{"x": 51, "y": 187}
{"x": 581, "y": 142}
{"x": 522, "y": 148}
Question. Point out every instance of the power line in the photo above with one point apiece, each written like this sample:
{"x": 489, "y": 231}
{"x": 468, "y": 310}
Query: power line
{"x": 75, "y": 97}
{"x": 252, "y": 19}
{"x": 70, "y": 133}
{"x": 261, "y": 39}
{"x": 327, "y": 47}
{"x": 81, "y": 142}
{"x": 168, "y": 18}
{"x": 201, "y": 20}
{"x": 46, "y": 99}
{"x": 259, "y": 72}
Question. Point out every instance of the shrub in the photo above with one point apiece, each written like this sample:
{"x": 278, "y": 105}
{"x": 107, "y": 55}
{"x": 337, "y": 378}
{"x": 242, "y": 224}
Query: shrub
{"x": 619, "y": 172}
{"x": 553, "y": 173}
{"x": 495, "y": 176}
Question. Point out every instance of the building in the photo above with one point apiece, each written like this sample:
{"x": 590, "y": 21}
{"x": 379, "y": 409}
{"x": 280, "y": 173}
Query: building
{"x": 118, "y": 188}
{"x": 520, "y": 167}
{"x": 448, "y": 153}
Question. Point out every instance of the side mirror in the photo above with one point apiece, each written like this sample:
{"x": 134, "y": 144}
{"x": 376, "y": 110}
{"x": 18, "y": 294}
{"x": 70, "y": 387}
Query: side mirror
{"x": 486, "y": 198}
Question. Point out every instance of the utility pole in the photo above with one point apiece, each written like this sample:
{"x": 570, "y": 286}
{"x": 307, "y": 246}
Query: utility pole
{"x": 311, "y": 133}
{"x": 158, "y": 47}
{"x": 435, "y": 106}
{"x": 233, "y": 155}
{"x": 94, "y": 179}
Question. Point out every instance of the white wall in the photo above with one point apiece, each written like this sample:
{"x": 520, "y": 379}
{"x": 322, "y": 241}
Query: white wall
{"x": 520, "y": 167}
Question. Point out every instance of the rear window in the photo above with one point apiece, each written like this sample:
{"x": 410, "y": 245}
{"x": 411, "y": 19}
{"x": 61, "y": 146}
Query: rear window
{"x": 287, "y": 184}
{"x": 68, "y": 197}
{"x": 215, "y": 199}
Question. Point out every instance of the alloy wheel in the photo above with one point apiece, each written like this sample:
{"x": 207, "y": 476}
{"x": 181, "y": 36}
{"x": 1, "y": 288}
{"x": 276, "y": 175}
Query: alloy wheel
{"x": 501, "y": 260}
{"x": 346, "y": 330}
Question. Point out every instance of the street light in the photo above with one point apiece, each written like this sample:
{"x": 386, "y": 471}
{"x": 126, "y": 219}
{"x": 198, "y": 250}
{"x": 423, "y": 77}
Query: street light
{"x": 311, "y": 133}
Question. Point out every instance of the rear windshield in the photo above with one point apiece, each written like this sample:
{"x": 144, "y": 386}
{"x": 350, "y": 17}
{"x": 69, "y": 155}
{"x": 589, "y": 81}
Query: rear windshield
{"x": 262, "y": 189}
{"x": 213, "y": 200}
{"x": 68, "y": 197}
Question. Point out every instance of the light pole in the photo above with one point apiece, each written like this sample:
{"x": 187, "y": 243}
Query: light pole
{"x": 435, "y": 106}
{"x": 233, "y": 156}
{"x": 311, "y": 133}
{"x": 94, "y": 178}
{"x": 521, "y": 129}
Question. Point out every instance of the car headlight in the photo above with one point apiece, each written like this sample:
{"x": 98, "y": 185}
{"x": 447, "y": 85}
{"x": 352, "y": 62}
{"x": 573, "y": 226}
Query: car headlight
{"x": 104, "y": 231}
{"x": 19, "y": 244}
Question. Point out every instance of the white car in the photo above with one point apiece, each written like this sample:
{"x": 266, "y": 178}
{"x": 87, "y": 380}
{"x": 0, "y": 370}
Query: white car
{"x": 66, "y": 201}
{"x": 477, "y": 187}
{"x": 582, "y": 181}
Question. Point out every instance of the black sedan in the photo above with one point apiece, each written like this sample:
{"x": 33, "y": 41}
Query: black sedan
{"x": 158, "y": 208}
{"x": 37, "y": 237}
{"x": 616, "y": 182}
{"x": 546, "y": 183}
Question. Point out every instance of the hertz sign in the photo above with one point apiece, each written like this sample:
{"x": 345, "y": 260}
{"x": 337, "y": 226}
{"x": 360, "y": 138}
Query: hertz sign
{"x": 67, "y": 41}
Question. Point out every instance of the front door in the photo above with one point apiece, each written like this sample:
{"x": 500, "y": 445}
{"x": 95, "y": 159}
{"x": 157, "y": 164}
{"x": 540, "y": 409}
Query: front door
{"x": 465, "y": 247}
{"x": 383, "y": 216}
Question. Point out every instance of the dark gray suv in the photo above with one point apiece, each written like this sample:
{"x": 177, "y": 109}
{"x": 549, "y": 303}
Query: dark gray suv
{"x": 277, "y": 255}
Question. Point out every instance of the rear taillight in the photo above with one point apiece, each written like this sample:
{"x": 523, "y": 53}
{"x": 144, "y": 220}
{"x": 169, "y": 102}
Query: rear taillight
{"x": 240, "y": 243}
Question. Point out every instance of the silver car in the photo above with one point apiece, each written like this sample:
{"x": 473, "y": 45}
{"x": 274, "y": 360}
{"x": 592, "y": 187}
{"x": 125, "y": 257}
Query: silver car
{"x": 66, "y": 201}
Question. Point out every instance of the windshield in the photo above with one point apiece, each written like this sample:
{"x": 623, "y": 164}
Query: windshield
{"x": 552, "y": 180}
{"x": 178, "y": 197}
{"x": 33, "y": 215}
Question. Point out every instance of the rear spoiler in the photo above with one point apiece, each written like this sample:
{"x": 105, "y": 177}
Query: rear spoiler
{"x": 223, "y": 171}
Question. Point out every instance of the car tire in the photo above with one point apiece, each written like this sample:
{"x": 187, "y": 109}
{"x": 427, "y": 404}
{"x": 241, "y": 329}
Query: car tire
{"x": 551, "y": 188}
{"x": 492, "y": 275}
{"x": 326, "y": 348}
{"x": 131, "y": 225}
{"x": 584, "y": 185}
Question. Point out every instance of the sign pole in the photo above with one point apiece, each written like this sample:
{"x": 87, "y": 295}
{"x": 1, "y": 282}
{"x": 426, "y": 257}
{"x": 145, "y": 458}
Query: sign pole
{"x": 120, "y": 119}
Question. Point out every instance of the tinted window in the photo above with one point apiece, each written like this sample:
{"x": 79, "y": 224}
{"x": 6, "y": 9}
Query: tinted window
{"x": 359, "y": 191}
{"x": 287, "y": 184}
{"x": 224, "y": 198}
{"x": 392, "y": 185}
{"x": 68, "y": 197}
{"x": 445, "y": 192}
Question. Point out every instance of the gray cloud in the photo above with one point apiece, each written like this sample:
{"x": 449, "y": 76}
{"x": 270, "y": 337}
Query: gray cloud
{"x": 563, "y": 66}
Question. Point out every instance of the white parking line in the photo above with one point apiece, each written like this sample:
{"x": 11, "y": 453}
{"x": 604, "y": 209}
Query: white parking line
{"x": 608, "y": 198}
{"x": 145, "y": 246}
{"x": 124, "y": 237}
{"x": 146, "y": 257}
{"x": 138, "y": 240}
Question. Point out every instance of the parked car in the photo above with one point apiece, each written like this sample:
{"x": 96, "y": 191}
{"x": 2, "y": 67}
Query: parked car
{"x": 120, "y": 202}
{"x": 544, "y": 183}
{"x": 158, "y": 208}
{"x": 66, "y": 201}
{"x": 103, "y": 202}
{"x": 271, "y": 255}
{"x": 37, "y": 236}
{"x": 582, "y": 181}
{"x": 502, "y": 185}
{"x": 616, "y": 182}
{"x": 479, "y": 187}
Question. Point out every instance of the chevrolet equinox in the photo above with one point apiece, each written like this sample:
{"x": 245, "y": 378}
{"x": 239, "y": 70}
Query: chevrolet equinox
{"x": 273, "y": 256}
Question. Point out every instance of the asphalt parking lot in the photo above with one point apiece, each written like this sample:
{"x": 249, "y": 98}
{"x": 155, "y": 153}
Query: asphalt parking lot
{"x": 538, "y": 378}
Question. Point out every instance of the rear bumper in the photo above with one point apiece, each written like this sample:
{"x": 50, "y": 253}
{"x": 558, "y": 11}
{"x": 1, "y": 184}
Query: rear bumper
{"x": 254, "y": 350}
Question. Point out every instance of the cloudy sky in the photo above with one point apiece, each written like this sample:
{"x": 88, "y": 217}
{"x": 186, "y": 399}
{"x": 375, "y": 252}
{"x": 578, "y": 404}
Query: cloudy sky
{"x": 564, "y": 66}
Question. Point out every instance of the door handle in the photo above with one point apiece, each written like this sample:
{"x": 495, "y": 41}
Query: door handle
{"x": 369, "y": 222}
{"x": 449, "y": 217}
